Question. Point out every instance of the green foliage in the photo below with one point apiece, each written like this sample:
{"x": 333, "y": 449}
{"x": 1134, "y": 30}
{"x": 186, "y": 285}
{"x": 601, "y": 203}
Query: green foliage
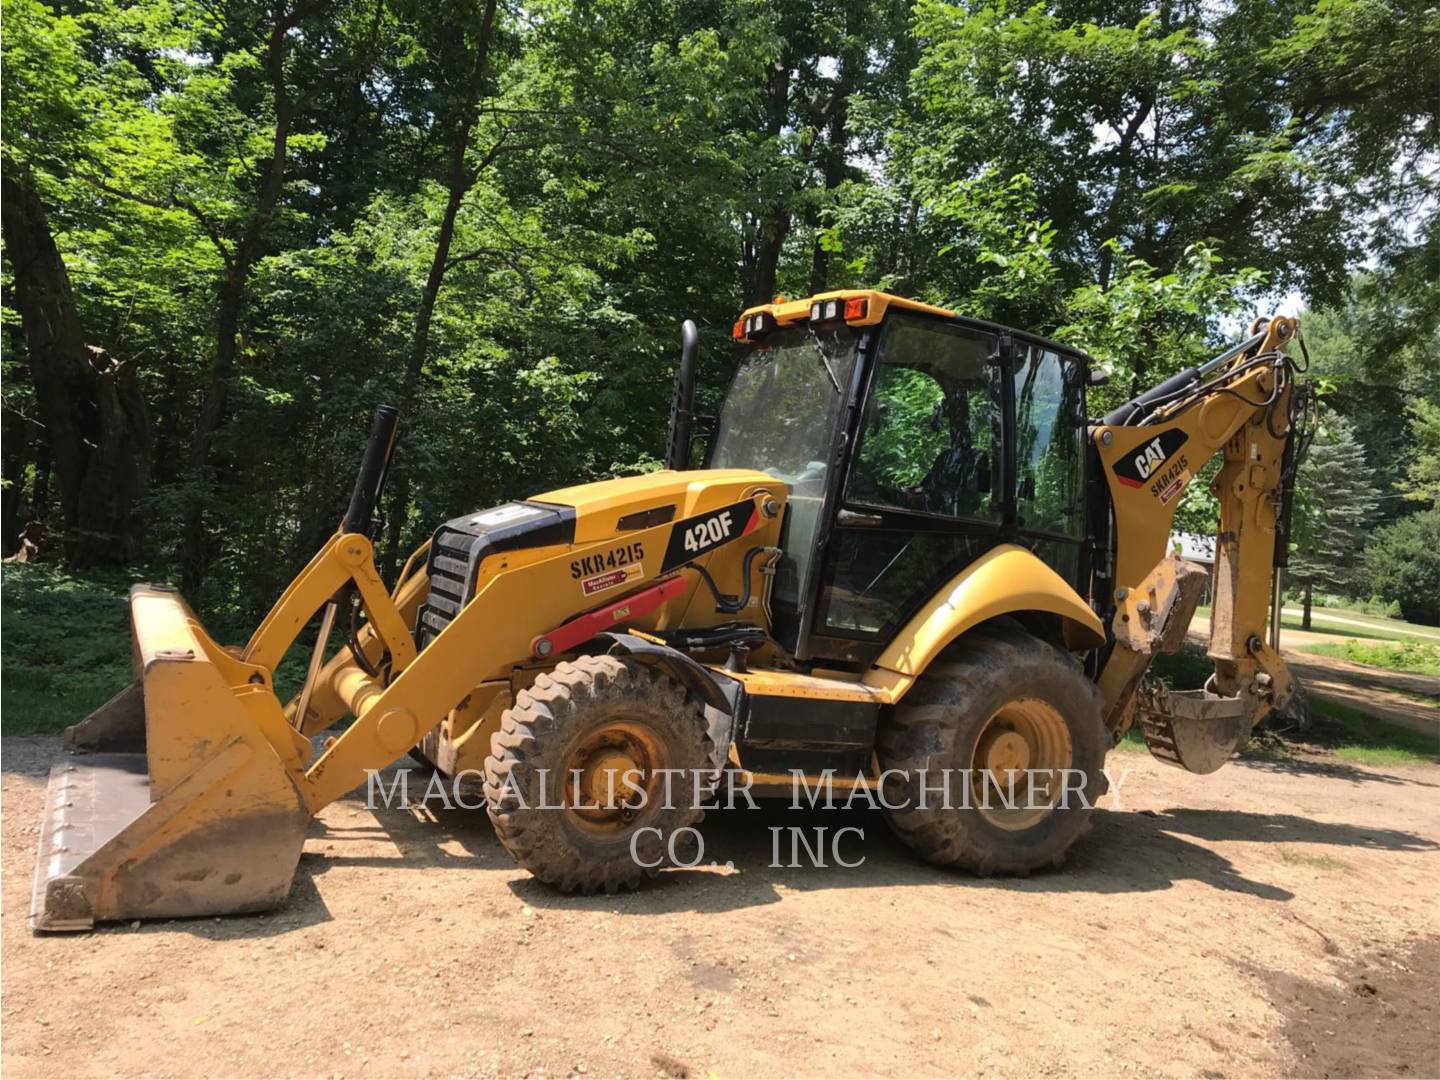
{"x": 1074, "y": 171}
{"x": 1334, "y": 504}
{"x": 1354, "y": 735}
{"x": 1402, "y": 563}
{"x": 1378, "y": 348}
{"x": 67, "y": 645}
{"x": 1422, "y": 472}
{"x": 899, "y": 451}
{"x": 1417, "y": 657}
{"x": 1371, "y": 605}
{"x": 1147, "y": 325}
{"x": 1187, "y": 669}
{"x": 1199, "y": 509}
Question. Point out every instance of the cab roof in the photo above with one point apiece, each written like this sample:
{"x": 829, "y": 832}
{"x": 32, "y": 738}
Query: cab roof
{"x": 787, "y": 312}
{"x": 875, "y": 305}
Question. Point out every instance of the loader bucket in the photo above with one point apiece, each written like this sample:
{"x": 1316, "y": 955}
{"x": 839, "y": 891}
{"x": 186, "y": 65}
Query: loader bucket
{"x": 191, "y": 805}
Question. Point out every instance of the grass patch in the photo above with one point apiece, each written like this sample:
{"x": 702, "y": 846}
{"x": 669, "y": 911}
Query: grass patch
{"x": 1132, "y": 742}
{"x": 66, "y": 645}
{"x": 1349, "y": 624}
{"x": 1410, "y": 655}
{"x": 1315, "y": 862}
{"x": 1352, "y": 735}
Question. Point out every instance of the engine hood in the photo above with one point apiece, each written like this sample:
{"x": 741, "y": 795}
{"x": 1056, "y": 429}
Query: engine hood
{"x": 611, "y": 507}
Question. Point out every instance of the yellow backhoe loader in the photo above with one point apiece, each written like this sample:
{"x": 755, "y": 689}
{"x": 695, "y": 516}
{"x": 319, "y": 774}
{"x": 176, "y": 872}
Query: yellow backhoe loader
{"x": 906, "y": 553}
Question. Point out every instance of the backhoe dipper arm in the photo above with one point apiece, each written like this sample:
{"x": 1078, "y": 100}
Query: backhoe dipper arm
{"x": 1242, "y": 404}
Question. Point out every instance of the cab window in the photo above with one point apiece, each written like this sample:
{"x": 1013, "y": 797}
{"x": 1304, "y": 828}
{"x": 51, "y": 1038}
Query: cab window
{"x": 932, "y": 425}
{"x": 1049, "y": 451}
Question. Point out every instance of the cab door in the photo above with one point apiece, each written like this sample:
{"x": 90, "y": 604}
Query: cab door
{"x": 966, "y": 439}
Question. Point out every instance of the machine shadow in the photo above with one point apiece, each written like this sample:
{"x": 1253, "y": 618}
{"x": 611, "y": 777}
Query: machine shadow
{"x": 1287, "y": 828}
{"x": 747, "y": 855}
{"x": 1332, "y": 770}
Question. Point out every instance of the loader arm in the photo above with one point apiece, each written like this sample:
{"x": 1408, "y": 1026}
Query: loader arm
{"x": 1245, "y": 405}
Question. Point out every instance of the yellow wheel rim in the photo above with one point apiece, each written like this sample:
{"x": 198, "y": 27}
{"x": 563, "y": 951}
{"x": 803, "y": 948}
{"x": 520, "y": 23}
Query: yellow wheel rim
{"x": 613, "y": 778}
{"x": 1016, "y": 767}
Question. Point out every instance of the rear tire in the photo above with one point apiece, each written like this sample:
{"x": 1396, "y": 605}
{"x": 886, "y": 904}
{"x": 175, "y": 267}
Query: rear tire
{"x": 598, "y": 716}
{"x": 999, "y": 699}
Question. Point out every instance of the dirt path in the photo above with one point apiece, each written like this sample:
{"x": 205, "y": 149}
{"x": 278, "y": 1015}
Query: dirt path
{"x": 1412, "y": 701}
{"x": 1269, "y": 920}
{"x": 1290, "y": 638}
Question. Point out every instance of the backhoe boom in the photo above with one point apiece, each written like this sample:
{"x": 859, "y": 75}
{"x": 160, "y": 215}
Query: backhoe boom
{"x": 1244, "y": 405}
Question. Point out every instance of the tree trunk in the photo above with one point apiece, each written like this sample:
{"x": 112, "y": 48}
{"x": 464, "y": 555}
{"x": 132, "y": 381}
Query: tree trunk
{"x": 1124, "y": 184}
{"x": 1305, "y": 617}
{"x": 14, "y": 456}
{"x": 231, "y": 303}
{"x": 459, "y": 179}
{"x": 834, "y": 162}
{"x": 772, "y": 223}
{"x": 208, "y": 422}
{"x": 40, "y": 491}
{"x": 96, "y": 425}
{"x": 774, "y": 229}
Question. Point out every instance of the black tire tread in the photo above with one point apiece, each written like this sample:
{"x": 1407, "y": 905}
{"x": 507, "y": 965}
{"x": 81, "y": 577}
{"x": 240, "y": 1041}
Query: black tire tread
{"x": 530, "y": 732}
{"x": 923, "y": 730}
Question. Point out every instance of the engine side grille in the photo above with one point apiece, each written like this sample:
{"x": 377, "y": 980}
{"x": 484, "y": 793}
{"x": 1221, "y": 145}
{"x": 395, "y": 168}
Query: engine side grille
{"x": 461, "y": 544}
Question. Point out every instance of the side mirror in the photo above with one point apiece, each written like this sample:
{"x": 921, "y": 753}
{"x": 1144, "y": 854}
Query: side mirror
{"x": 700, "y": 435}
{"x": 678, "y": 452}
{"x": 1098, "y": 377}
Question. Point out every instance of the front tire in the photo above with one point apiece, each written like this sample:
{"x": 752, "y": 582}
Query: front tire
{"x": 574, "y": 773}
{"x": 1000, "y": 706}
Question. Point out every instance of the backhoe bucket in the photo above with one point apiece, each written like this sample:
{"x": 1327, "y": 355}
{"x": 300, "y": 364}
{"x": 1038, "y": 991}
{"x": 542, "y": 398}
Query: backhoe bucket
{"x": 1193, "y": 729}
{"x": 191, "y": 805}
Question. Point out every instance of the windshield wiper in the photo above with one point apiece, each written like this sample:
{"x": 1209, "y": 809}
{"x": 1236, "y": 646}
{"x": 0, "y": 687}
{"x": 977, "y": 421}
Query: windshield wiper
{"x": 815, "y": 340}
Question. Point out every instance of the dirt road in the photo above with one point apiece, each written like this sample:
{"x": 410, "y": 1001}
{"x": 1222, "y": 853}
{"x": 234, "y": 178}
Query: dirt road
{"x": 1272, "y": 919}
{"x": 1410, "y": 700}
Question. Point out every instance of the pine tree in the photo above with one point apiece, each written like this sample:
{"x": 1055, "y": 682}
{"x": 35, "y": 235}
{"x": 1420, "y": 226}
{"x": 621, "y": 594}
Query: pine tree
{"x": 1335, "y": 501}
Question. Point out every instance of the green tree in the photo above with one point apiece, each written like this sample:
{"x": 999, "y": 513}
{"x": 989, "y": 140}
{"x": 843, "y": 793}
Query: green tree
{"x": 1402, "y": 563}
{"x": 87, "y": 399}
{"x": 1335, "y": 500}
{"x": 1422, "y": 473}
{"x": 1379, "y": 346}
{"x": 1148, "y": 125}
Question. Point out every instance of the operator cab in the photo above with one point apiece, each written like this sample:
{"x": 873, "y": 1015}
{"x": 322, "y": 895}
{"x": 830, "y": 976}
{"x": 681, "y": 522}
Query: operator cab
{"x": 965, "y": 435}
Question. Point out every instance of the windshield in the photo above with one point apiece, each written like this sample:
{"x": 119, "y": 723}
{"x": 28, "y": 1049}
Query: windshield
{"x": 779, "y": 416}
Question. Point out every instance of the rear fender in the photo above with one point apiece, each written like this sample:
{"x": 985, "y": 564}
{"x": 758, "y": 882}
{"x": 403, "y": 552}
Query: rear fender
{"x": 1007, "y": 580}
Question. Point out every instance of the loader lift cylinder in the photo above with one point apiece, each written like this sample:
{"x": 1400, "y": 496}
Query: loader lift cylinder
{"x": 374, "y": 467}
